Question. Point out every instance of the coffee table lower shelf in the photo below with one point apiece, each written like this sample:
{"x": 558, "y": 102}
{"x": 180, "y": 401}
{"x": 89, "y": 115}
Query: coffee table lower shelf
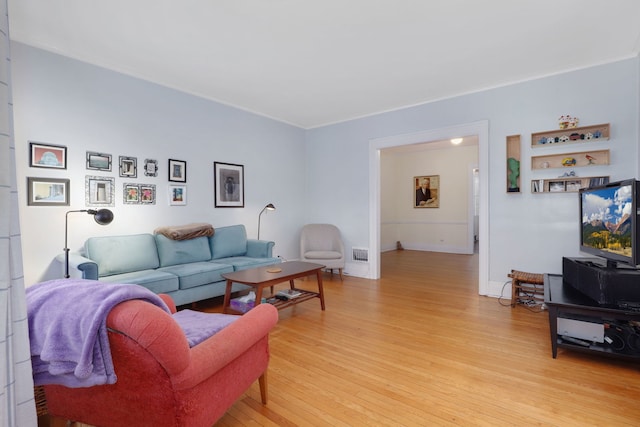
{"x": 277, "y": 303}
{"x": 261, "y": 277}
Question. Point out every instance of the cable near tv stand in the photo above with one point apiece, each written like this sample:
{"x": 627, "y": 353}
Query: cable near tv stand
{"x": 578, "y": 323}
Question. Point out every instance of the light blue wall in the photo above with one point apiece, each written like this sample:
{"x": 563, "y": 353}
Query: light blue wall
{"x": 318, "y": 175}
{"x": 66, "y": 102}
{"x": 526, "y": 231}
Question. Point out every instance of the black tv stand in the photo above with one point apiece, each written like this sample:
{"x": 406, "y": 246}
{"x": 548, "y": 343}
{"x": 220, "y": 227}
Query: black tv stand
{"x": 621, "y": 336}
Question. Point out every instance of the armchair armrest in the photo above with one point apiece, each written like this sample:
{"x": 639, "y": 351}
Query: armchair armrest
{"x": 79, "y": 266}
{"x": 216, "y": 352}
{"x": 156, "y": 331}
{"x": 169, "y": 301}
{"x": 259, "y": 248}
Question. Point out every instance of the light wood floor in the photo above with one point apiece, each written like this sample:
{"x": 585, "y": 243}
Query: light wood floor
{"x": 419, "y": 348}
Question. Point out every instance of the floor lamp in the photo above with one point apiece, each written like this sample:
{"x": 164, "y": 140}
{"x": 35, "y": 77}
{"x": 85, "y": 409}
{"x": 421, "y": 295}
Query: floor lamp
{"x": 269, "y": 207}
{"x": 102, "y": 217}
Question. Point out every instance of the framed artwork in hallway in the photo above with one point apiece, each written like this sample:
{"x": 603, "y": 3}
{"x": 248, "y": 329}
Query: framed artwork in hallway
{"x": 426, "y": 189}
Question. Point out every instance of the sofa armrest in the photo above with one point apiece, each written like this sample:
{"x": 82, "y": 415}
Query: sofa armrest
{"x": 79, "y": 266}
{"x": 259, "y": 248}
{"x": 218, "y": 351}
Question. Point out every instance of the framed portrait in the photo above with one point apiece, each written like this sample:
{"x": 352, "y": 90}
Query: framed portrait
{"x": 228, "y": 182}
{"x": 177, "y": 170}
{"x": 99, "y": 191}
{"x": 426, "y": 189}
{"x": 47, "y": 192}
{"x": 130, "y": 194}
{"x": 128, "y": 167}
{"x": 150, "y": 167}
{"x": 47, "y": 156}
{"x": 98, "y": 161}
{"x": 177, "y": 195}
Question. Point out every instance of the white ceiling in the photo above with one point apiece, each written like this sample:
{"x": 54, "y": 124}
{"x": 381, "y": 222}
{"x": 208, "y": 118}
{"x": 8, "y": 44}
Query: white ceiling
{"x": 311, "y": 63}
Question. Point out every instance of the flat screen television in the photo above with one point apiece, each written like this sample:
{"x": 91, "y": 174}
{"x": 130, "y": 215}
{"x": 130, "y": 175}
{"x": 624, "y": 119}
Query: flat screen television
{"x": 609, "y": 222}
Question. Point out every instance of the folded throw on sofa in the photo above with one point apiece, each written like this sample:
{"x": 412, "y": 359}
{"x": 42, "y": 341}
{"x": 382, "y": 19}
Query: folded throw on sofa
{"x": 184, "y": 232}
{"x": 68, "y": 329}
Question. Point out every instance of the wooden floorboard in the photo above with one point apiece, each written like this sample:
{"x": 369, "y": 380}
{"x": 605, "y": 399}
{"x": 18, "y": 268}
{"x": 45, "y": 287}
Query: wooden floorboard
{"x": 420, "y": 347}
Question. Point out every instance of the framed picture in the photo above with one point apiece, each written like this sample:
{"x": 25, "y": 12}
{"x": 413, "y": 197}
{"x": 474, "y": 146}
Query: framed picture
{"x": 128, "y": 167}
{"x": 47, "y": 192}
{"x": 556, "y": 186}
{"x": 574, "y": 185}
{"x": 228, "y": 182}
{"x": 150, "y": 167}
{"x": 177, "y": 195}
{"x": 99, "y": 191}
{"x": 130, "y": 194}
{"x": 47, "y": 156}
{"x": 147, "y": 194}
{"x": 177, "y": 170}
{"x": 98, "y": 161}
{"x": 426, "y": 189}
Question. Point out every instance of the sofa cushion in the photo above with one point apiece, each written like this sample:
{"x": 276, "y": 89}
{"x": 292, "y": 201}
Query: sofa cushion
{"x": 197, "y": 273}
{"x": 228, "y": 241}
{"x": 243, "y": 262}
{"x": 322, "y": 255}
{"x": 175, "y": 252}
{"x": 156, "y": 281}
{"x": 122, "y": 254}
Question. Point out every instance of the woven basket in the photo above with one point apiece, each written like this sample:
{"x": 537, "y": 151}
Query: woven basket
{"x": 41, "y": 400}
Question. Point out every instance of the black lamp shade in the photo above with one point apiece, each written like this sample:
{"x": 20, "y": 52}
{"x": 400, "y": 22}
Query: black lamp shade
{"x": 102, "y": 216}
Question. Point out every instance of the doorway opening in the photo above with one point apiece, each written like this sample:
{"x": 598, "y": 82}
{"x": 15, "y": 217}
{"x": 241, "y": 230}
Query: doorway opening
{"x": 478, "y": 129}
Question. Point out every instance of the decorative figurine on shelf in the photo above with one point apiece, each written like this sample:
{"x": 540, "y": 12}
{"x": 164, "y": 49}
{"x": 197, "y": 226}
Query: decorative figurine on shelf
{"x": 568, "y": 122}
{"x": 514, "y": 173}
{"x": 568, "y": 174}
{"x": 590, "y": 159}
{"x": 573, "y": 122}
{"x": 568, "y": 161}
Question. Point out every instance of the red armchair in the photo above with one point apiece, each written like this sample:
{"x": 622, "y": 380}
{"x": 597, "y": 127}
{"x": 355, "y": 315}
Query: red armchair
{"x": 163, "y": 382}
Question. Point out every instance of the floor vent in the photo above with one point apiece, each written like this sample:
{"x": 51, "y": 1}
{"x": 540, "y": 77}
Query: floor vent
{"x": 360, "y": 254}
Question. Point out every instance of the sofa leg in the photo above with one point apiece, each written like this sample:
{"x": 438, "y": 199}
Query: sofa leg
{"x": 341, "y": 275}
{"x": 263, "y": 387}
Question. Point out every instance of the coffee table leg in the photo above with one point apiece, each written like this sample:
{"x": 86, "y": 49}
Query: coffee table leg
{"x": 291, "y": 284}
{"x": 320, "y": 288}
{"x": 258, "y": 295}
{"x": 227, "y": 296}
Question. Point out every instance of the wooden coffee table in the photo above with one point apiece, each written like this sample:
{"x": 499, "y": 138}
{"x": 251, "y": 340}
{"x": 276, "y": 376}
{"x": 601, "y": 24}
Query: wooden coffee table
{"x": 261, "y": 277}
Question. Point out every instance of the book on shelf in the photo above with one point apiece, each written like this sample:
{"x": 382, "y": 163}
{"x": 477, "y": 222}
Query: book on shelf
{"x": 289, "y": 293}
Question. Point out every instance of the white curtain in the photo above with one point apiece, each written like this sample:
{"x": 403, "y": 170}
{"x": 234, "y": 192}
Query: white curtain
{"x": 17, "y": 404}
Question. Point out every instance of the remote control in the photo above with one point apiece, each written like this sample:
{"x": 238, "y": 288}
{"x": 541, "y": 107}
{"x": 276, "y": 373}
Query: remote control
{"x": 575, "y": 341}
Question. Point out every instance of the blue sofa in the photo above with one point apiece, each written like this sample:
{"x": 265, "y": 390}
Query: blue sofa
{"x": 187, "y": 270}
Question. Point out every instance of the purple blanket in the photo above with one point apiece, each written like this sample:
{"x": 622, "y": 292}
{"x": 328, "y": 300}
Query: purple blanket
{"x": 68, "y": 329}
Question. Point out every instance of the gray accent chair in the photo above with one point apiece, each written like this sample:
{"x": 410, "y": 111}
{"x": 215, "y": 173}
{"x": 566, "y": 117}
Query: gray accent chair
{"x": 322, "y": 244}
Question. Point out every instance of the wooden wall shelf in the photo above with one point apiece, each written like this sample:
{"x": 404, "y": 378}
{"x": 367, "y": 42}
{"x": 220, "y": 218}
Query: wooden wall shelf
{"x": 570, "y": 136}
{"x": 563, "y": 160}
{"x": 569, "y": 184}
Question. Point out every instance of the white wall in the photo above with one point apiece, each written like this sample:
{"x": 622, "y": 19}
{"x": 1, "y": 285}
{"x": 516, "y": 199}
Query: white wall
{"x": 318, "y": 175}
{"x": 443, "y": 229}
{"x": 530, "y": 232}
{"x": 65, "y": 102}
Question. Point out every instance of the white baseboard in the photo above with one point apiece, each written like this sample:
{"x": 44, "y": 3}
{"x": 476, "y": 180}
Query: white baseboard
{"x": 357, "y": 269}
